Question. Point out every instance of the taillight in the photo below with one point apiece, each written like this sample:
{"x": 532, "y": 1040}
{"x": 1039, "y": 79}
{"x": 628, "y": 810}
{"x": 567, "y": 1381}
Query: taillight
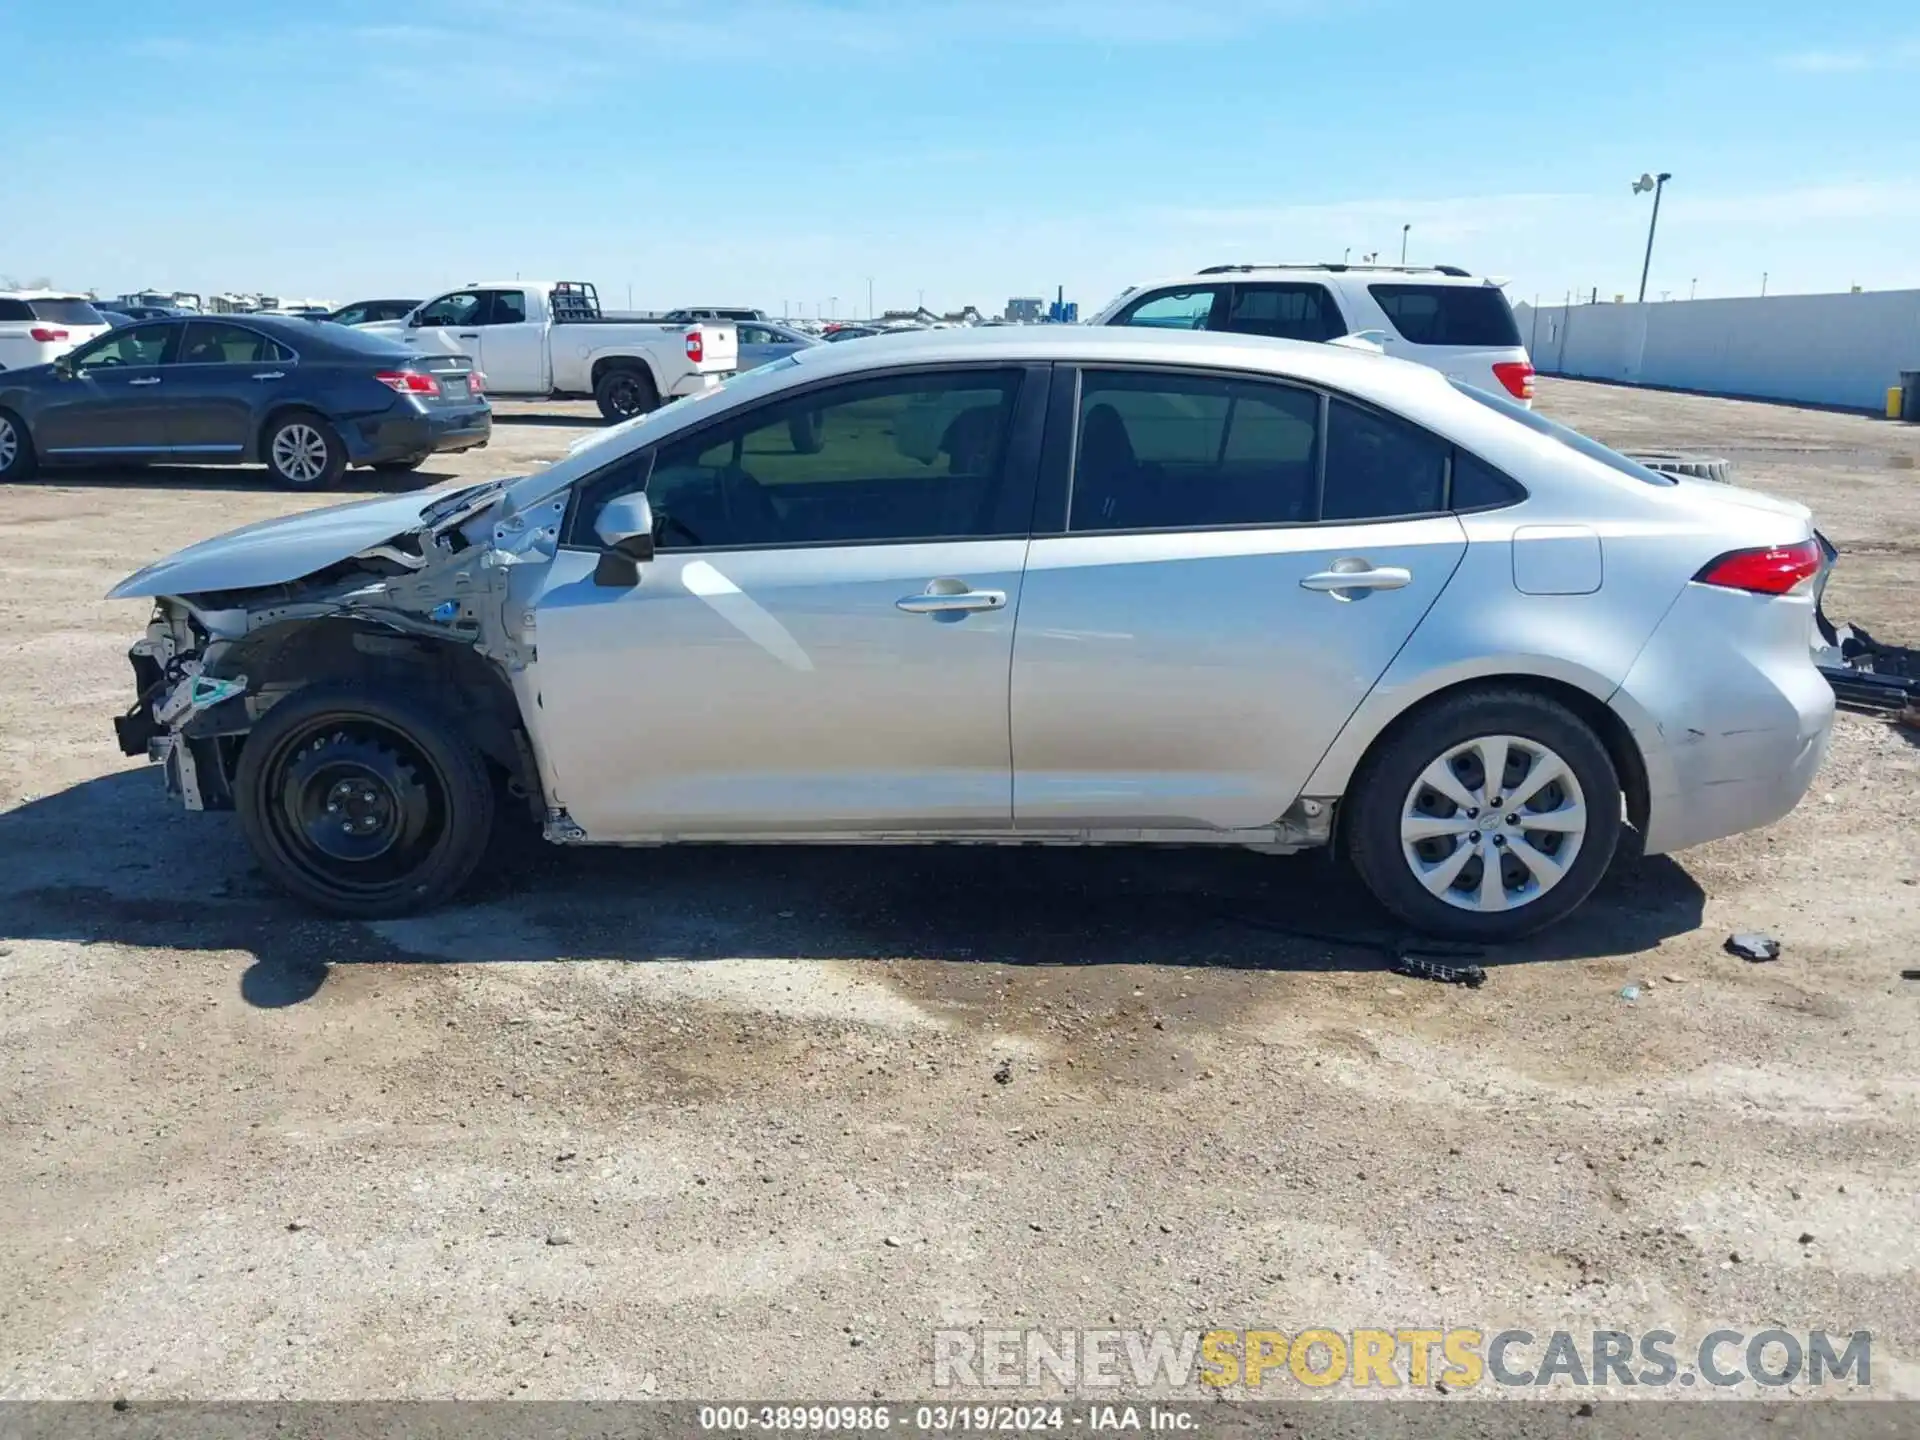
{"x": 408, "y": 382}
{"x": 46, "y": 336}
{"x": 696, "y": 346}
{"x": 476, "y": 383}
{"x": 1768, "y": 570}
{"x": 1517, "y": 376}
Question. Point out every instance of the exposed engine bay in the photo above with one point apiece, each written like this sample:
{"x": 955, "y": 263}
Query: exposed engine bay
{"x": 445, "y": 606}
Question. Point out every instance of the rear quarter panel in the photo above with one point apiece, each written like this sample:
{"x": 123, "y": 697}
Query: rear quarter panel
{"x": 1653, "y": 540}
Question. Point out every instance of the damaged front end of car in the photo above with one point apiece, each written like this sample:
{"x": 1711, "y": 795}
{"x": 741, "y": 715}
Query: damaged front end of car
{"x": 443, "y": 608}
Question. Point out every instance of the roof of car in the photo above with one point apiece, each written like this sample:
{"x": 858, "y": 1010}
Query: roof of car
{"x": 43, "y": 295}
{"x": 1091, "y": 344}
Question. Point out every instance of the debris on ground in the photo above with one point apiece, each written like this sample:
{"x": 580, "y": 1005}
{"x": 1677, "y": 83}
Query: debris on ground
{"x": 1753, "y": 947}
{"x": 1004, "y": 1075}
{"x": 1417, "y": 959}
{"x": 1630, "y": 992}
{"x": 1910, "y": 974}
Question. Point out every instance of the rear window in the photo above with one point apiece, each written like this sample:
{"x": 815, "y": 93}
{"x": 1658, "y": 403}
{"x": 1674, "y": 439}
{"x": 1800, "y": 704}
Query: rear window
{"x": 1449, "y": 314}
{"x": 66, "y": 312}
{"x": 1572, "y": 439}
{"x": 365, "y": 342}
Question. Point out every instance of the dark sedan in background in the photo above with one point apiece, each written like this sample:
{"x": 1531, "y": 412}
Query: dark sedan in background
{"x": 304, "y": 398}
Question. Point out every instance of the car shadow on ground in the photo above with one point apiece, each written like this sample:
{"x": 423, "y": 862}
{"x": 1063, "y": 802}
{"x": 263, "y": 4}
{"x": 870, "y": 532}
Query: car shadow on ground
{"x": 228, "y": 477}
{"x": 111, "y": 860}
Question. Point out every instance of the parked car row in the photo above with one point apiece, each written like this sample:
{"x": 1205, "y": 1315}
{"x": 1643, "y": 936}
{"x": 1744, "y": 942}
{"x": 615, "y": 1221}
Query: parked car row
{"x": 307, "y": 400}
{"x": 1055, "y": 585}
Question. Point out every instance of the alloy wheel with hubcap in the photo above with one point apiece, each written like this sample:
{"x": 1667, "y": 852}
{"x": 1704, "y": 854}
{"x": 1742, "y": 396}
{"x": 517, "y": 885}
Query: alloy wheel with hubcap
{"x": 9, "y": 444}
{"x": 299, "y": 453}
{"x": 1493, "y": 823}
{"x": 1484, "y": 816}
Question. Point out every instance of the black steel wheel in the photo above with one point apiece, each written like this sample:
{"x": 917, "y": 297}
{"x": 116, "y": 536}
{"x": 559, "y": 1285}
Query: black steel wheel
{"x": 362, "y": 804}
{"x": 624, "y": 393}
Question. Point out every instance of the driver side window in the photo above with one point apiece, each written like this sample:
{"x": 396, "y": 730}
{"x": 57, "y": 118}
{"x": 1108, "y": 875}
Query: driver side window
{"x": 460, "y": 308}
{"x": 898, "y": 459}
{"x": 135, "y": 345}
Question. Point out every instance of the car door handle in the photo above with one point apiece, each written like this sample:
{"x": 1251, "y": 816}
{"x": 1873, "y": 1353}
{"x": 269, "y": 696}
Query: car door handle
{"x": 469, "y": 335}
{"x": 1361, "y": 576}
{"x": 271, "y": 375}
{"x": 147, "y": 380}
{"x": 951, "y": 602}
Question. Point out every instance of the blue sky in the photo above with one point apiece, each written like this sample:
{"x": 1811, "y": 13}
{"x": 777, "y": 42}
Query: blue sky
{"x": 780, "y": 152}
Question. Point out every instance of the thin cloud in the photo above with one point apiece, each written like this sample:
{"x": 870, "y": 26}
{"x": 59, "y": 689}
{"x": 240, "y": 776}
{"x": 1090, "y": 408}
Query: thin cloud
{"x": 1853, "y": 61}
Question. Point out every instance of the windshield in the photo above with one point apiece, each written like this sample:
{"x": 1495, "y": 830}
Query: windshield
{"x": 1572, "y": 439}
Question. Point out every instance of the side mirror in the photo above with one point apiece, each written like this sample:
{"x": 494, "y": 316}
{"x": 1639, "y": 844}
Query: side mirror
{"x": 625, "y": 527}
{"x": 63, "y": 366}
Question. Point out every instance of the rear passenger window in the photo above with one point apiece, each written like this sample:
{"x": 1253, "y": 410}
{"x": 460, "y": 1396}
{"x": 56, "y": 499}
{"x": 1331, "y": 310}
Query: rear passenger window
{"x": 209, "y": 342}
{"x": 1171, "y": 310}
{"x": 1287, "y": 312}
{"x": 1449, "y": 314}
{"x": 15, "y": 310}
{"x": 1478, "y": 486}
{"x": 509, "y": 308}
{"x": 1160, "y": 451}
{"x": 1379, "y": 467}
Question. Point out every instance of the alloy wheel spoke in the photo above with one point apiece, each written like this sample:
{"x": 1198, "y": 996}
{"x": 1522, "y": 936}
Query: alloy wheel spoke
{"x": 1569, "y": 819}
{"x": 1545, "y": 868}
{"x": 1439, "y": 878}
{"x": 1547, "y": 768}
{"x": 1492, "y": 750}
{"x": 1440, "y": 778}
{"x": 1493, "y": 887}
{"x": 1418, "y": 827}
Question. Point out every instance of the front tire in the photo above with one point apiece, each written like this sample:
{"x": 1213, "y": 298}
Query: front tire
{"x": 303, "y": 451}
{"x": 1490, "y": 816}
{"x": 623, "y": 393}
{"x": 363, "y": 804}
{"x": 17, "y": 460}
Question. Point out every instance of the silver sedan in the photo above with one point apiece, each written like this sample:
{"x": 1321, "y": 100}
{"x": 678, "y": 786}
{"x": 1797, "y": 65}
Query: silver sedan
{"x": 1063, "y": 585}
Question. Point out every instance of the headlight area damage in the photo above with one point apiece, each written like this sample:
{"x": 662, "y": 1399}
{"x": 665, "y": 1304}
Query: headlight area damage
{"x": 440, "y": 612}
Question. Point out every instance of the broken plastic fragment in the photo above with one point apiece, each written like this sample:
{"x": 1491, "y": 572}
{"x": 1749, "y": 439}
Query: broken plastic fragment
{"x": 1753, "y": 947}
{"x": 446, "y": 611}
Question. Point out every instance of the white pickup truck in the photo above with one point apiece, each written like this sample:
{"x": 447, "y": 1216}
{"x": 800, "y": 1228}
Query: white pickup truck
{"x": 548, "y": 338}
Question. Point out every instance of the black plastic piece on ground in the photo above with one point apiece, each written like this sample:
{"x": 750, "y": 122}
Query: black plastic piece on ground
{"x": 1421, "y": 960}
{"x": 1753, "y": 947}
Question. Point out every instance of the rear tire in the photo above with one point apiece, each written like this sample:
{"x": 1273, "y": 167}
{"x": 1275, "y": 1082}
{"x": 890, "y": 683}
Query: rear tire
{"x": 17, "y": 460}
{"x": 1423, "y": 827}
{"x": 363, "y": 804}
{"x": 303, "y": 451}
{"x": 624, "y": 392}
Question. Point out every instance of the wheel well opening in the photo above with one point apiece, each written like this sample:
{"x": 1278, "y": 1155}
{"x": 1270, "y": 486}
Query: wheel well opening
{"x": 469, "y": 691}
{"x": 606, "y": 366}
{"x": 1598, "y": 716}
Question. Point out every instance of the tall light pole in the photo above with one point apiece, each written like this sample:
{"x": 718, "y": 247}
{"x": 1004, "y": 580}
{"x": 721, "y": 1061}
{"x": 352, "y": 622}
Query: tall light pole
{"x": 1657, "y": 184}
{"x": 1346, "y": 255}
{"x": 1404, "y": 229}
{"x": 869, "y": 297}
{"x": 833, "y": 306}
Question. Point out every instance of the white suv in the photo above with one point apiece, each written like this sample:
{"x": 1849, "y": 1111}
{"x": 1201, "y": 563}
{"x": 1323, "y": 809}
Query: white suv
{"x": 37, "y": 327}
{"x": 1437, "y": 315}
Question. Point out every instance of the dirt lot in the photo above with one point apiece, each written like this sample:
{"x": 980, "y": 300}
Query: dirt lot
{"x": 728, "y": 1122}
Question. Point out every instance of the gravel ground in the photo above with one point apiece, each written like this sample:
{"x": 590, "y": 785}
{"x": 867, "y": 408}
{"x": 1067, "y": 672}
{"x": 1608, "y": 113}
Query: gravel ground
{"x": 754, "y": 1122}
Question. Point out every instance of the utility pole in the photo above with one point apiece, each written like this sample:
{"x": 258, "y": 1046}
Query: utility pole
{"x": 833, "y": 302}
{"x": 1693, "y": 287}
{"x": 1763, "y": 284}
{"x": 1404, "y": 229}
{"x": 1657, "y": 184}
{"x": 870, "y": 311}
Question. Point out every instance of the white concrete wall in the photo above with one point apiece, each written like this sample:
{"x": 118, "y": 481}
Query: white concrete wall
{"x": 1826, "y": 349}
